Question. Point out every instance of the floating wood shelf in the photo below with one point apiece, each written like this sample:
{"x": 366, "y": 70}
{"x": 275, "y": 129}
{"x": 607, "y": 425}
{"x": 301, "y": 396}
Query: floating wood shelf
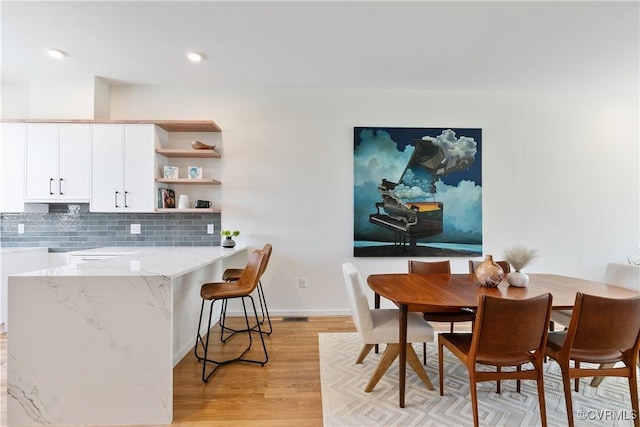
{"x": 168, "y": 125}
{"x": 188, "y": 153}
{"x": 190, "y": 210}
{"x": 188, "y": 181}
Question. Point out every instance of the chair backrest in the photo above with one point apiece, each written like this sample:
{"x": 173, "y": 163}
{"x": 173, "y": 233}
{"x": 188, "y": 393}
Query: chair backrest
{"x": 429, "y": 267}
{"x": 504, "y": 264}
{"x": 267, "y": 256}
{"x": 511, "y": 326}
{"x": 599, "y": 325}
{"x": 623, "y": 275}
{"x": 357, "y": 299}
{"x": 251, "y": 273}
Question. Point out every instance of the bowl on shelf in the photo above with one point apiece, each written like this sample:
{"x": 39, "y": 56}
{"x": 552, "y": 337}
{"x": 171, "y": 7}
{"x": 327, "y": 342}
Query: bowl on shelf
{"x": 202, "y": 146}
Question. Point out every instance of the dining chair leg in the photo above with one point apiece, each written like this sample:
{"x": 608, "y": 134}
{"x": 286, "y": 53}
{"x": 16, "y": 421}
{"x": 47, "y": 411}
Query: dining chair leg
{"x": 474, "y": 397}
{"x": 577, "y": 380}
{"x": 414, "y": 362}
{"x": 519, "y": 369}
{"x": 440, "y": 367}
{"x": 390, "y": 354}
{"x": 595, "y": 382}
{"x": 633, "y": 389}
{"x": 566, "y": 385}
{"x": 541, "y": 401}
{"x": 498, "y": 382}
{"x": 424, "y": 353}
{"x": 366, "y": 349}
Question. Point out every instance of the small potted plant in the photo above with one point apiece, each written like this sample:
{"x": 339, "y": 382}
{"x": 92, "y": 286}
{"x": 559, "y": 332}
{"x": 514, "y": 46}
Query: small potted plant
{"x": 519, "y": 257}
{"x": 228, "y": 242}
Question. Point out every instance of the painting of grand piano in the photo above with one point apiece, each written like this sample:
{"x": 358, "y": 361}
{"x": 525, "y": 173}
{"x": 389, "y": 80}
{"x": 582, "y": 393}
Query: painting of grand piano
{"x": 417, "y": 192}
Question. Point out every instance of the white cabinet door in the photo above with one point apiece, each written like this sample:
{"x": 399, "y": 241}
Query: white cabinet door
{"x": 75, "y": 163}
{"x": 12, "y": 151}
{"x": 42, "y": 161}
{"x": 106, "y": 168}
{"x": 139, "y": 157}
{"x": 122, "y": 168}
{"x": 57, "y": 162}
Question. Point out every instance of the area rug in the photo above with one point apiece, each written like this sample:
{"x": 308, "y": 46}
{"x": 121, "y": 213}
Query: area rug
{"x": 344, "y": 402}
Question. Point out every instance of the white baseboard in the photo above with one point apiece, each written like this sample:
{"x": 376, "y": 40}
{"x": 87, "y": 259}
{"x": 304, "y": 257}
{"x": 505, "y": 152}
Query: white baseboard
{"x": 296, "y": 313}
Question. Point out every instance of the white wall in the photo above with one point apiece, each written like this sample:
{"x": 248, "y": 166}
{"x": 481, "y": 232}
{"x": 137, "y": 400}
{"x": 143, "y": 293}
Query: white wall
{"x": 14, "y": 100}
{"x": 560, "y": 174}
{"x": 63, "y": 99}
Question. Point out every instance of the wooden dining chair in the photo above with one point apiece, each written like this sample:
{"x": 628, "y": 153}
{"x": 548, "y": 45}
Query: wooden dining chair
{"x": 601, "y": 330}
{"x": 626, "y": 276}
{"x": 222, "y": 291}
{"x": 506, "y": 333}
{"x": 442, "y": 314}
{"x": 622, "y": 275}
{"x": 381, "y": 326}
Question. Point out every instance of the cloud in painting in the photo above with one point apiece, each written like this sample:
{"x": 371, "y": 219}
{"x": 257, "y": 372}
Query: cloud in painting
{"x": 456, "y": 150}
{"x": 378, "y": 157}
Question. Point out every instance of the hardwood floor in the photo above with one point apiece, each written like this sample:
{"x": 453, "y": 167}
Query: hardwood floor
{"x": 284, "y": 392}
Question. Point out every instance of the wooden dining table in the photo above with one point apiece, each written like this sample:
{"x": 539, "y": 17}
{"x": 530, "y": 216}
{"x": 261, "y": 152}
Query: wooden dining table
{"x": 430, "y": 292}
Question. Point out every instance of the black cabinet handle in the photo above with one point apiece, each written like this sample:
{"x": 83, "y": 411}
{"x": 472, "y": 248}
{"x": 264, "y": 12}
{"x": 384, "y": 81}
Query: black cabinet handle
{"x": 125, "y": 199}
{"x": 50, "y": 186}
{"x": 61, "y": 193}
{"x": 117, "y": 200}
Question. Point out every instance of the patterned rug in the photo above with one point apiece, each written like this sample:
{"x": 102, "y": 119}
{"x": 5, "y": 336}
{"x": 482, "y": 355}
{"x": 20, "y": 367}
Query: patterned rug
{"x": 344, "y": 402}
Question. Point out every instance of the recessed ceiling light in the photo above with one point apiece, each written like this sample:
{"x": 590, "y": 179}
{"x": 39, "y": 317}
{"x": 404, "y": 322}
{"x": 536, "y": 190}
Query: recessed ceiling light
{"x": 55, "y": 53}
{"x": 194, "y": 56}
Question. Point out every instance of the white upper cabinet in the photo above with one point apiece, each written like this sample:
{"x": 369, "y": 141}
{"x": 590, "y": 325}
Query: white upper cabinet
{"x": 57, "y": 162}
{"x": 115, "y": 166}
{"x": 122, "y": 161}
{"x": 12, "y": 149}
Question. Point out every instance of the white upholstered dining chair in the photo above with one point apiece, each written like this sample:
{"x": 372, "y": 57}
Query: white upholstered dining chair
{"x": 380, "y": 326}
{"x": 618, "y": 274}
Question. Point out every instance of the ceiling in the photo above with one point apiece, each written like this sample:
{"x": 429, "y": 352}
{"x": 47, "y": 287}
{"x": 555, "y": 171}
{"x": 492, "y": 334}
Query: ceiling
{"x": 416, "y": 45}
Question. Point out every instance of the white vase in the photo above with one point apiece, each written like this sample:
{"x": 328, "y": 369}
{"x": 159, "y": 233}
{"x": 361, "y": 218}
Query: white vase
{"x": 517, "y": 279}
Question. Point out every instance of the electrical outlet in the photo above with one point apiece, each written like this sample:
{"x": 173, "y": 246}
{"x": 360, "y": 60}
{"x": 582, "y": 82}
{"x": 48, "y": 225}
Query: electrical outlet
{"x": 134, "y": 265}
{"x": 303, "y": 282}
{"x": 20, "y": 228}
{"x": 135, "y": 228}
{"x": 210, "y": 228}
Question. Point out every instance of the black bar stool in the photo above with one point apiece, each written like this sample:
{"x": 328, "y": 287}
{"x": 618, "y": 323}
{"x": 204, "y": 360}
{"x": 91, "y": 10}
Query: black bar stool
{"x": 242, "y": 288}
{"x": 233, "y": 274}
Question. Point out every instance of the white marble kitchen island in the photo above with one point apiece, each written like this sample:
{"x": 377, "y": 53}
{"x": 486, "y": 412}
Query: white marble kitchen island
{"x": 95, "y": 343}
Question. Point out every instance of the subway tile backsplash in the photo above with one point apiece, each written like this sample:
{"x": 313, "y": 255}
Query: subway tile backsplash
{"x": 72, "y": 227}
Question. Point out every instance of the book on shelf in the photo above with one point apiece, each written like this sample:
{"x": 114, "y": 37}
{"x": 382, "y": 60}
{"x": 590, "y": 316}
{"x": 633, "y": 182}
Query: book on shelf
{"x": 166, "y": 198}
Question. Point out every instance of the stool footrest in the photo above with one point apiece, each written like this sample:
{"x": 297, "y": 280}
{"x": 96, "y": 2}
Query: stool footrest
{"x": 203, "y": 341}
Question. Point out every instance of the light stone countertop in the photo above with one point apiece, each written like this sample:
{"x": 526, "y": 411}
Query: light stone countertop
{"x": 169, "y": 261}
{"x": 6, "y": 250}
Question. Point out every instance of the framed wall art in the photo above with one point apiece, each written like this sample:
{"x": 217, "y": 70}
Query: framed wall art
{"x": 417, "y": 192}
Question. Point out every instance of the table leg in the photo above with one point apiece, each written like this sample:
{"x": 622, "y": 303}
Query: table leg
{"x": 402, "y": 371}
{"x": 376, "y": 305}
